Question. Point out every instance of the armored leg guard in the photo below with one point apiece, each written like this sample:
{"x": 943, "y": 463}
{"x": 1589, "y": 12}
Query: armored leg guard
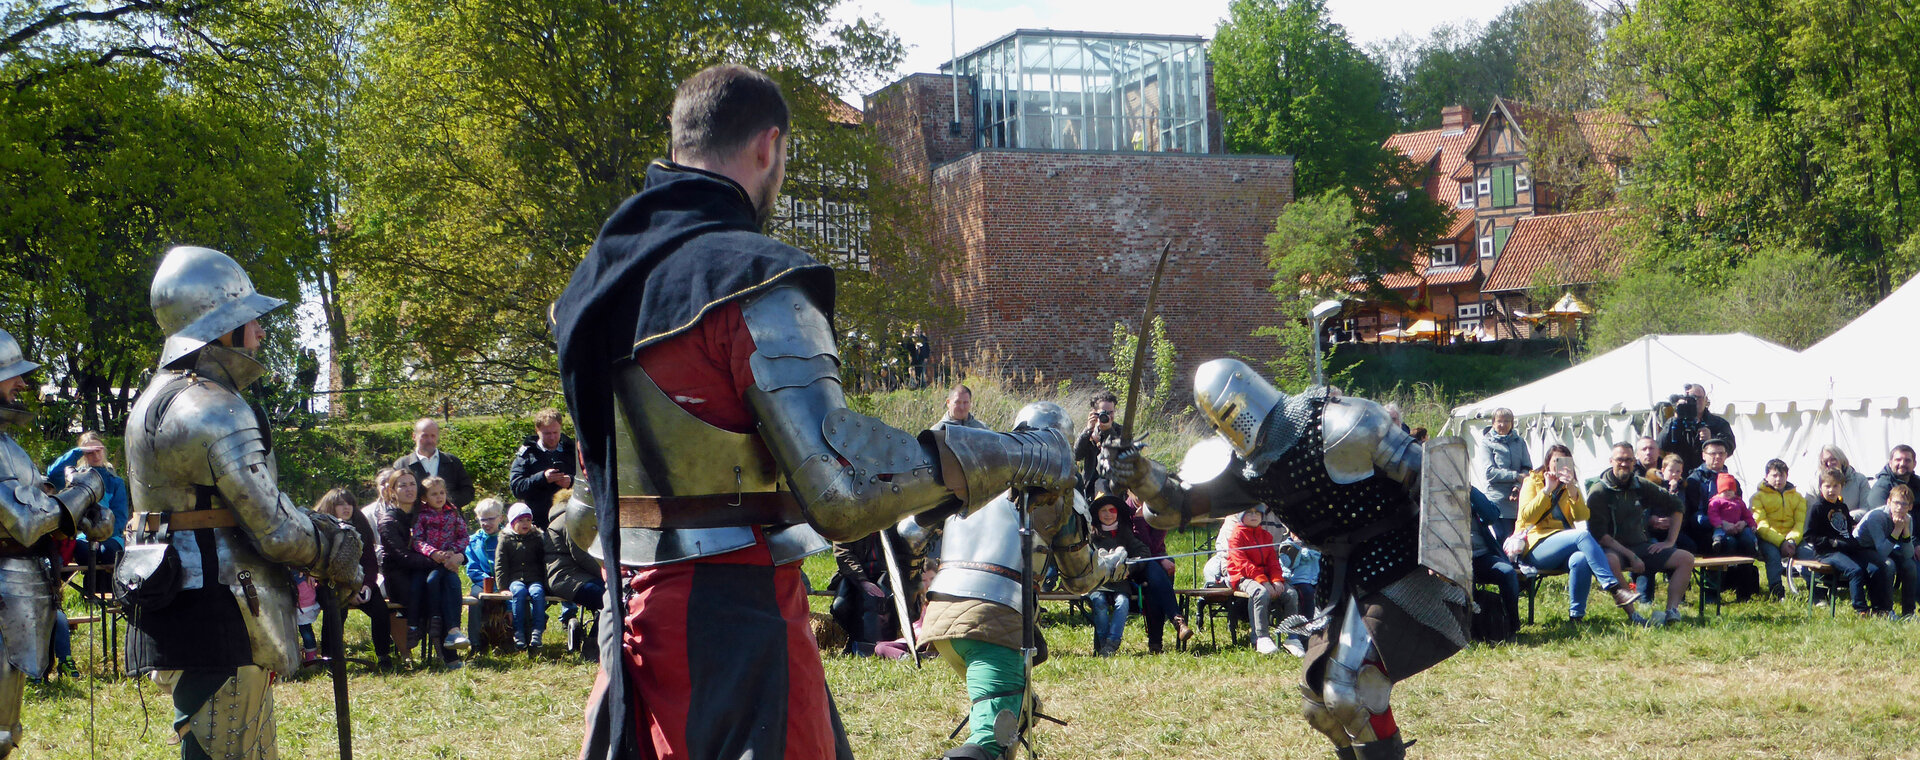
{"x": 1323, "y": 720}
{"x": 1390, "y": 748}
{"x": 232, "y": 722}
{"x": 13, "y": 685}
{"x": 1357, "y": 689}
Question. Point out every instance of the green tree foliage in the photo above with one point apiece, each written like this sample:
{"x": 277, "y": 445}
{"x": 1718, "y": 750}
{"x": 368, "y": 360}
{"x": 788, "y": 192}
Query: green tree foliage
{"x": 493, "y": 137}
{"x": 1157, "y": 380}
{"x": 1290, "y": 82}
{"x": 1784, "y": 293}
{"x": 1320, "y": 248}
{"x": 1467, "y": 65}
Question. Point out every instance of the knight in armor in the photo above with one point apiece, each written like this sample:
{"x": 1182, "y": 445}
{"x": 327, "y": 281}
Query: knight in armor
{"x": 699, "y": 364}
{"x": 974, "y": 616}
{"x": 209, "y": 575}
{"x": 31, "y": 515}
{"x": 1344, "y": 479}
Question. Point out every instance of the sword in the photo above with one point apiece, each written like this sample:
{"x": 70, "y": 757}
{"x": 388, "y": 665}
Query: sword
{"x": 333, "y": 638}
{"x": 1140, "y": 350}
{"x": 1029, "y": 604}
{"x": 899, "y": 598}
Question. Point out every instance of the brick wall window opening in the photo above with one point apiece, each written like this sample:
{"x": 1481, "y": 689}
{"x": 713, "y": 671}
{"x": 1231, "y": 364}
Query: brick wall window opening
{"x": 1085, "y": 91}
{"x": 1486, "y": 247}
{"x": 1443, "y": 256}
{"x": 1466, "y": 195}
{"x": 1522, "y": 182}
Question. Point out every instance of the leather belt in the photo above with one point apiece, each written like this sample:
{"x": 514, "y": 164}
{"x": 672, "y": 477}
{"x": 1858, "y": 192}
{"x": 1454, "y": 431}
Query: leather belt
{"x": 985, "y": 567}
{"x": 196, "y": 519}
{"x": 729, "y": 510}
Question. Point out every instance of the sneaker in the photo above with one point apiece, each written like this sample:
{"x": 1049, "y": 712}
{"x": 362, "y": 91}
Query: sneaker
{"x": 535, "y": 640}
{"x": 307, "y": 657}
{"x": 67, "y": 669}
{"x": 1265, "y": 645}
{"x": 519, "y": 643}
{"x": 1294, "y": 647}
{"x": 456, "y": 640}
{"x": 1624, "y": 596}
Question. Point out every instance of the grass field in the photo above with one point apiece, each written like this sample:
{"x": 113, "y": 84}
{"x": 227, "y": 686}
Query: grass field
{"x": 1764, "y": 681}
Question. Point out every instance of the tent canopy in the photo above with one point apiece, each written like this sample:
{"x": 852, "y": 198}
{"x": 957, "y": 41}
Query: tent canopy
{"x": 1635, "y": 377}
{"x": 1869, "y": 360}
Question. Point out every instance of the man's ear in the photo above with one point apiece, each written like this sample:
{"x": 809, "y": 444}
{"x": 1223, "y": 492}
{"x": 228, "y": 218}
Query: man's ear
{"x": 766, "y": 149}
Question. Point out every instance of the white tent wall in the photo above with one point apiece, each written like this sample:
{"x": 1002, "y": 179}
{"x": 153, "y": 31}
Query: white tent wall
{"x": 1866, "y": 432}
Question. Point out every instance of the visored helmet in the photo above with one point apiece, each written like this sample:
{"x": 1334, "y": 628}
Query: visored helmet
{"x": 200, "y": 294}
{"x": 1044, "y": 415}
{"x": 1236, "y": 400}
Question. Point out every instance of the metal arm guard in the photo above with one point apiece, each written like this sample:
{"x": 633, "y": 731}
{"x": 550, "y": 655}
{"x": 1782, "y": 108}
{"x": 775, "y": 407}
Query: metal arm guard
{"x": 853, "y": 474}
{"x": 1207, "y": 486}
{"x": 27, "y": 511}
{"x": 1361, "y": 438}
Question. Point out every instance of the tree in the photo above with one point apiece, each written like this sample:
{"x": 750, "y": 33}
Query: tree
{"x": 1290, "y": 82}
{"x": 1455, "y": 65}
{"x": 494, "y": 136}
{"x": 1157, "y": 379}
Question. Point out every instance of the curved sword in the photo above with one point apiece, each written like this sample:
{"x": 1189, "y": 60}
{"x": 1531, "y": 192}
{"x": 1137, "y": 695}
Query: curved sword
{"x": 900, "y": 598}
{"x": 1140, "y": 350}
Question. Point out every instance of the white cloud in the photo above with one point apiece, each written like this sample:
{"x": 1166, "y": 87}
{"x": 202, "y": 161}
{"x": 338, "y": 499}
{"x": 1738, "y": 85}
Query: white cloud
{"x": 924, "y": 26}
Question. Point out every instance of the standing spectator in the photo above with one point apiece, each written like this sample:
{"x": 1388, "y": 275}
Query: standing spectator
{"x": 1779, "y": 515}
{"x": 959, "y": 410}
{"x": 91, "y": 453}
{"x": 1898, "y": 472}
{"x": 1693, "y": 425}
{"x": 1550, "y": 505}
{"x": 522, "y": 565}
{"x": 859, "y": 596}
{"x": 428, "y": 461}
{"x": 919, "y": 350}
{"x": 440, "y": 533}
{"x": 1888, "y": 531}
{"x": 1157, "y": 600}
{"x": 339, "y": 503}
{"x": 1830, "y": 539}
{"x": 401, "y": 567}
{"x": 1253, "y": 567}
{"x": 1101, "y": 428}
{"x": 483, "y": 544}
{"x": 543, "y": 466}
{"x": 306, "y": 600}
{"x": 1858, "y": 484}
{"x": 1618, "y": 504}
{"x": 1646, "y": 457}
{"x": 1504, "y": 461}
{"x": 574, "y": 576}
{"x": 1109, "y": 601}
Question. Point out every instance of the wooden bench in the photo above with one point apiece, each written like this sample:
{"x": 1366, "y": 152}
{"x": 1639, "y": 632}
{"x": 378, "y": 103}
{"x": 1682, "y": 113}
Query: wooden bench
{"x": 478, "y": 606}
{"x": 1207, "y": 606}
{"x": 102, "y": 599}
{"x": 1718, "y": 566}
{"x": 1826, "y": 576}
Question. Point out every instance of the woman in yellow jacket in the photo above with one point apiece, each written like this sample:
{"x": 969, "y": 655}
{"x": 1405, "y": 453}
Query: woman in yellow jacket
{"x": 1550, "y": 505}
{"x": 1781, "y": 514}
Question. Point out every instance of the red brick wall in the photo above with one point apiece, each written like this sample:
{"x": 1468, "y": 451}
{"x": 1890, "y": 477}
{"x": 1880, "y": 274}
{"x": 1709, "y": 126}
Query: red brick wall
{"x": 1055, "y": 246}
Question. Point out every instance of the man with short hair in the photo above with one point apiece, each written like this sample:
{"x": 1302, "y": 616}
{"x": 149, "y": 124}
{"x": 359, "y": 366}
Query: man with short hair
{"x": 427, "y": 460}
{"x": 1899, "y": 471}
{"x": 544, "y": 464}
{"x": 1646, "y": 457}
{"x": 1693, "y": 425}
{"x": 959, "y": 410}
{"x": 1101, "y": 429}
{"x": 699, "y": 361}
{"x": 1619, "y": 503}
{"x": 1702, "y": 484}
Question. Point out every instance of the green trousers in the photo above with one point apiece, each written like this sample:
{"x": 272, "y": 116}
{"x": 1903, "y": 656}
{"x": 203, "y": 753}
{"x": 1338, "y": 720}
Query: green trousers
{"x": 995, "y": 682}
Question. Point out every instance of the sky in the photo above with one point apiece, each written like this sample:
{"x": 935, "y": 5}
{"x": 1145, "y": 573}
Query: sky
{"x": 925, "y": 26}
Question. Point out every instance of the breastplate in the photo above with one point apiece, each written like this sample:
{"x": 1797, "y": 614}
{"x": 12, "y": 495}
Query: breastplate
{"x": 980, "y": 555}
{"x": 662, "y": 450}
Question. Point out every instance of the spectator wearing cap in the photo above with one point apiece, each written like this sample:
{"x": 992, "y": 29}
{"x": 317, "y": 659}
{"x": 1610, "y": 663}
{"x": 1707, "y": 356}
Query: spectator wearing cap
{"x": 521, "y": 562}
{"x": 1109, "y": 602}
{"x": 1732, "y": 519}
{"x": 1898, "y": 472}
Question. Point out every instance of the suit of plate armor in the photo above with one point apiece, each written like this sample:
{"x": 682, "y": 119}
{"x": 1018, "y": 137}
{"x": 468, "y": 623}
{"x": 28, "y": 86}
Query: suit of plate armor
{"x": 29, "y": 512}
{"x": 203, "y": 481}
{"x": 1347, "y": 481}
{"x": 979, "y": 562}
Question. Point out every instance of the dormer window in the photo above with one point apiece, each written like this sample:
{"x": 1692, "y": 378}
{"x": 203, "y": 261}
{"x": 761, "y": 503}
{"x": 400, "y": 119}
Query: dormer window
{"x": 1466, "y": 194}
{"x": 1444, "y": 256}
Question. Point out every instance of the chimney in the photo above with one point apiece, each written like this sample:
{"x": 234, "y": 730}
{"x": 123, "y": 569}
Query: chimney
{"x": 1454, "y": 119}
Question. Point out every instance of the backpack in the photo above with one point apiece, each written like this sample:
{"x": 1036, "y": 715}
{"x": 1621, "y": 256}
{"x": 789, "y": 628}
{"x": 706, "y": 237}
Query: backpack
{"x": 1490, "y": 621}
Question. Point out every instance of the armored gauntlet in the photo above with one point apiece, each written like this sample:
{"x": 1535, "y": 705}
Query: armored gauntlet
{"x": 338, "y": 562}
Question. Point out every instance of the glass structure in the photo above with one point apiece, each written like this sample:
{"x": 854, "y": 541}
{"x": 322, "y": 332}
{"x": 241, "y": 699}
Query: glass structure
{"x": 1084, "y": 91}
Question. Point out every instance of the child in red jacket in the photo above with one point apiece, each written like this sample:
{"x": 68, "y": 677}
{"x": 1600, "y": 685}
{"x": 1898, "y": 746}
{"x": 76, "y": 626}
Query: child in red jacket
{"x": 1253, "y": 567}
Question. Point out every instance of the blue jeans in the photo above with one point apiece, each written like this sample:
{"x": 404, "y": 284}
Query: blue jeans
{"x": 1157, "y": 601}
{"x": 529, "y": 604}
{"x": 1109, "y": 614}
{"x": 1495, "y": 569}
{"x": 437, "y": 595}
{"x": 1770, "y": 552}
{"x": 1580, "y": 554}
{"x": 62, "y": 635}
{"x": 1867, "y": 578}
{"x": 1743, "y": 543}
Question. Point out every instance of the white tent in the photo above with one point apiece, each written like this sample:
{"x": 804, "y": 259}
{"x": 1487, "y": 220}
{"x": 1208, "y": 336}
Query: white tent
{"x": 1611, "y": 397}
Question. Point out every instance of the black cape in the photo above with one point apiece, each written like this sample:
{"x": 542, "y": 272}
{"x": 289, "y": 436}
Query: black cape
{"x": 686, "y": 244}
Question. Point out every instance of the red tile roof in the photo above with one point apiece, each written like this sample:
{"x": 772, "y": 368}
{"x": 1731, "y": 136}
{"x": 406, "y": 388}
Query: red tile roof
{"x": 839, "y": 112}
{"x": 1450, "y": 275}
{"x": 1442, "y": 153}
{"x": 1571, "y": 248}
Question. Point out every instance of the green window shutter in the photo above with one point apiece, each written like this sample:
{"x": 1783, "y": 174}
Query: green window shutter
{"x": 1503, "y": 192}
{"x": 1500, "y": 233}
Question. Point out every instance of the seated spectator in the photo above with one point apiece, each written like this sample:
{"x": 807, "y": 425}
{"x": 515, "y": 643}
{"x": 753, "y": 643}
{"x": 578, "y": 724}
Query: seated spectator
{"x": 1618, "y": 505}
{"x": 1502, "y": 462}
{"x": 440, "y": 533}
{"x": 1214, "y": 573}
{"x": 859, "y": 598}
{"x": 1899, "y": 471}
{"x": 339, "y": 503}
{"x": 1647, "y": 457}
{"x": 1702, "y": 484}
{"x": 573, "y": 575}
{"x": 521, "y": 562}
{"x": 1732, "y": 520}
{"x": 1253, "y": 567}
{"x": 1858, "y": 484}
{"x": 1829, "y": 538}
{"x": 1156, "y": 581}
{"x": 90, "y": 452}
{"x": 402, "y": 568}
{"x": 1490, "y": 564}
{"x": 306, "y": 600}
{"x": 1779, "y": 516}
{"x": 1302, "y": 563}
{"x": 1550, "y": 504}
{"x": 483, "y": 544}
{"x": 1888, "y": 531}
{"x": 1108, "y": 603}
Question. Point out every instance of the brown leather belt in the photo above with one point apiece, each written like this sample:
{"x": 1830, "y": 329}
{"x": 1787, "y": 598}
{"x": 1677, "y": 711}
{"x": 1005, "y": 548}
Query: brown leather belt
{"x": 985, "y": 567}
{"x": 728, "y": 510}
{"x": 196, "y": 519}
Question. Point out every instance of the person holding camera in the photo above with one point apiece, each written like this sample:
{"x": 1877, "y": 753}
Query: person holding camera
{"x": 1693, "y": 426}
{"x": 1100, "y": 429}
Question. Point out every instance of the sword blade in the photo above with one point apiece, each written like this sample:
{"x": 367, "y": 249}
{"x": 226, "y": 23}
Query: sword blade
{"x": 1140, "y": 350}
{"x": 900, "y": 598}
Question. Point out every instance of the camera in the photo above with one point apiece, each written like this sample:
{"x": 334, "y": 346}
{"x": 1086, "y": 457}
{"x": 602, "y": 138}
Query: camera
{"x": 1104, "y": 415}
{"x": 1685, "y": 406}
